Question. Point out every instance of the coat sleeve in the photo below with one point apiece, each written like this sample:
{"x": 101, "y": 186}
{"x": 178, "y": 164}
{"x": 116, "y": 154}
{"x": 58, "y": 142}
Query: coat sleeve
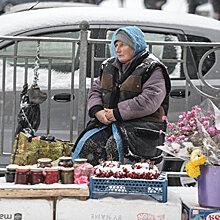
{"x": 146, "y": 103}
{"x": 95, "y": 103}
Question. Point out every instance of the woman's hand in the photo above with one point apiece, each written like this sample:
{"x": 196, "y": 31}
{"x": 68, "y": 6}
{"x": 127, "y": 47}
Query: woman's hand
{"x": 109, "y": 114}
{"x": 100, "y": 115}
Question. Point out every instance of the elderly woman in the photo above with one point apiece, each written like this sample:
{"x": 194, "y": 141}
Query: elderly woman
{"x": 126, "y": 104}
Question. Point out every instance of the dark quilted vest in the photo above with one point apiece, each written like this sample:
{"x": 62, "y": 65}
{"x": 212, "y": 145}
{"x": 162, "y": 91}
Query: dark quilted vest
{"x": 115, "y": 90}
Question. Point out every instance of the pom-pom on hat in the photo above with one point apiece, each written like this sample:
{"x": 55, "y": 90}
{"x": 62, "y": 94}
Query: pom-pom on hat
{"x": 124, "y": 37}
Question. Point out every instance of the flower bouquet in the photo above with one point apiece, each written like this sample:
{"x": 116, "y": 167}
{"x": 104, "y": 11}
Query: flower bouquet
{"x": 195, "y": 137}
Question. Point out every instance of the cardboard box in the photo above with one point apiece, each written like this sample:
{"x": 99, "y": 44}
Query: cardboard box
{"x": 195, "y": 212}
{"x": 191, "y": 210}
{"x": 25, "y": 209}
{"x": 121, "y": 207}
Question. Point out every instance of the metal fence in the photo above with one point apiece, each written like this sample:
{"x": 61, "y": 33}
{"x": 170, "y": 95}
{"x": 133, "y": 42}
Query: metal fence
{"x": 80, "y": 103}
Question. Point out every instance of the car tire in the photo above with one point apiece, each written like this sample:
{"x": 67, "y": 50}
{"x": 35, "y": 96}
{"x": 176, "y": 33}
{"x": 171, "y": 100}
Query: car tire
{"x": 8, "y": 7}
{"x": 178, "y": 166}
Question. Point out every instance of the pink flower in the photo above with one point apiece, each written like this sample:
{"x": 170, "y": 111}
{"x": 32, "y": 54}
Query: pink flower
{"x": 181, "y": 124}
{"x": 182, "y": 137}
{"x": 161, "y": 132}
{"x": 212, "y": 130}
{"x": 196, "y": 133}
{"x": 180, "y": 116}
{"x": 183, "y": 130}
{"x": 164, "y": 117}
{"x": 189, "y": 128}
{"x": 170, "y": 125}
{"x": 213, "y": 116}
{"x": 192, "y": 123}
{"x": 198, "y": 110}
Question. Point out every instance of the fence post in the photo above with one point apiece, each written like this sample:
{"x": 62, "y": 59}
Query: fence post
{"x": 82, "y": 95}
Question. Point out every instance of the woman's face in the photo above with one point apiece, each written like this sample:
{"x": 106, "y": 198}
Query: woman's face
{"x": 123, "y": 51}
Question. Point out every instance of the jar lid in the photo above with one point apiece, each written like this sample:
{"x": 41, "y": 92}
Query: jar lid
{"x": 50, "y": 169}
{"x": 22, "y": 168}
{"x": 44, "y": 160}
{"x": 80, "y": 160}
{"x": 36, "y": 169}
{"x": 12, "y": 167}
{"x": 65, "y": 158}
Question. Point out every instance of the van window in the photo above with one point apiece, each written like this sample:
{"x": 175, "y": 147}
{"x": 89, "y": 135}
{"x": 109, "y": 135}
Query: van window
{"x": 163, "y": 52}
{"x": 47, "y": 49}
{"x": 198, "y": 52}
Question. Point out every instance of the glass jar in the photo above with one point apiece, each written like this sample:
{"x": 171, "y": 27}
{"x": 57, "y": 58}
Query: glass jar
{"x": 37, "y": 176}
{"x": 51, "y": 175}
{"x": 22, "y": 175}
{"x": 44, "y": 162}
{"x": 67, "y": 175}
{"x": 79, "y": 162}
{"x": 10, "y": 173}
{"x": 59, "y": 172}
{"x": 88, "y": 171}
{"x": 65, "y": 162}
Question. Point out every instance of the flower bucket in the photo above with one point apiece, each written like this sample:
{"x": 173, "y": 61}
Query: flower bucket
{"x": 209, "y": 186}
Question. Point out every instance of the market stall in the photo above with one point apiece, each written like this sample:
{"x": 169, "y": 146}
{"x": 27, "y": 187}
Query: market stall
{"x": 65, "y": 201}
{"x": 74, "y": 189}
{"x": 74, "y": 201}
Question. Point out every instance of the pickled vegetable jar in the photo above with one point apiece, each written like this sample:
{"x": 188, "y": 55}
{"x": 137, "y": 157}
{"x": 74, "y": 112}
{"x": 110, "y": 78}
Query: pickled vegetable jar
{"x": 51, "y": 175}
{"x": 67, "y": 175}
{"x": 10, "y": 173}
{"x": 22, "y": 175}
{"x": 37, "y": 176}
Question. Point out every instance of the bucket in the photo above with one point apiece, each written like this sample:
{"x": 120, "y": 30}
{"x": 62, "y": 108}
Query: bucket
{"x": 209, "y": 186}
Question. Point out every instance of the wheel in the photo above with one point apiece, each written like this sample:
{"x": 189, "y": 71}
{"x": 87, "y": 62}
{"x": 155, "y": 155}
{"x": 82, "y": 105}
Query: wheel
{"x": 178, "y": 166}
{"x": 8, "y": 7}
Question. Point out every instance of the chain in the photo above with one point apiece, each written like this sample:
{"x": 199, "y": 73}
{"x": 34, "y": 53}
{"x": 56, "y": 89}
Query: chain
{"x": 37, "y": 64}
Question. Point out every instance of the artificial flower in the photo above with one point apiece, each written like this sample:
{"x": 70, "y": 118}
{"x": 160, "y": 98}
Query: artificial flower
{"x": 199, "y": 160}
{"x": 199, "y": 128}
{"x": 192, "y": 170}
{"x": 195, "y": 154}
{"x": 195, "y": 136}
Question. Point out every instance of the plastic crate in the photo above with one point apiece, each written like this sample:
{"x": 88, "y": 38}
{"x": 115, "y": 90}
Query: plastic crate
{"x": 156, "y": 188}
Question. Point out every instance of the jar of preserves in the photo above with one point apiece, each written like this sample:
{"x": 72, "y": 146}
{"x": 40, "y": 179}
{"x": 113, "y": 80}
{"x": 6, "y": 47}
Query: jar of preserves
{"x": 22, "y": 175}
{"x": 79, "y": 162}
{"x": 65, "y": 162}
{"x": 10, "y": 173}
{"x": 37, "y": 176}
{"x": 51, "y": 175}
{"x": 44, "y": 162}
{"x": 67, "y": 175}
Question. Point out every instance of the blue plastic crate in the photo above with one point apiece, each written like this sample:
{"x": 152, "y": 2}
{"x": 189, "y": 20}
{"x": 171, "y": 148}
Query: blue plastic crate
{"x": 156, "y": 188}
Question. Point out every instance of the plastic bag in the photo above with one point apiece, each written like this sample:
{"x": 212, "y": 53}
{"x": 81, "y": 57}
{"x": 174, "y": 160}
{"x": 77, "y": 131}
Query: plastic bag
{"x": 27, "y": 149}
{"x": 83, "y": 173}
